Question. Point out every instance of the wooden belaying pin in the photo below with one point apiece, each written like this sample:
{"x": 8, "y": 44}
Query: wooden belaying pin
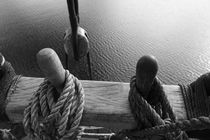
{"x": 146, "y": 70}
{"x": 52, "y": 68}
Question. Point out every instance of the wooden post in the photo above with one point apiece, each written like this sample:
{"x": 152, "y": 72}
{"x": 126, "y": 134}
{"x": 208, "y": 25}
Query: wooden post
{"x": 52, "y": 68}
{"x": 146, "y": 70}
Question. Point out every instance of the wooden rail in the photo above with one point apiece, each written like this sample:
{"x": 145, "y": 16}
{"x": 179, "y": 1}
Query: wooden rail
{"x": 106, "y": 103}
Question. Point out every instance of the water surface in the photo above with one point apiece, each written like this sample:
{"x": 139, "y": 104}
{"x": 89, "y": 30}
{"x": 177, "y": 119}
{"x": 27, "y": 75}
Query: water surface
{"x": 177, "y": 32}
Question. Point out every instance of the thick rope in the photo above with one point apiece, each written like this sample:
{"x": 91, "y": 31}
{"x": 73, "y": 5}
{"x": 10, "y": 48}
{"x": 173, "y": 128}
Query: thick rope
{"x": 195, "y": 98}
{"x": 138, "y": 105}
{"x": 165, "y": 104}
{"x": 199, "y": 123}
{"x": 47, "y": 117}
{"x": 145, "y": 114}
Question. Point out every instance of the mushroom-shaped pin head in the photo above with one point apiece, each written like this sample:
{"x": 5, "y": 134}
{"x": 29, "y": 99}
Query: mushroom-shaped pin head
{"x": 146, "y": 70}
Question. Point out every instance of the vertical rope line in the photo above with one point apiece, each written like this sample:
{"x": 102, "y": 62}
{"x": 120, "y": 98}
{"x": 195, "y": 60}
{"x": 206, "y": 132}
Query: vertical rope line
{"x": 76, "y": 6}
{"x": 74, "y": 27}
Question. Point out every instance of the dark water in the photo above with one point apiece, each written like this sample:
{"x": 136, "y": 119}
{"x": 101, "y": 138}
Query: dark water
{"x": 177, "y": 32}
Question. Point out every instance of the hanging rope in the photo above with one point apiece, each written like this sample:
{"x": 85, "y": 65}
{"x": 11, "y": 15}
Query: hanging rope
{"x": 74, "y": 20}
{"x": 78, "y": 36}
{"x": 76, "y": 7}
{"x": 51, "y": 117}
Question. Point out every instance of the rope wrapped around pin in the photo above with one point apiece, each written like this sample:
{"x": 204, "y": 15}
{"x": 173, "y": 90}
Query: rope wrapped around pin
{"x": 147, "y": 99}
{"x": 56, "y": 107}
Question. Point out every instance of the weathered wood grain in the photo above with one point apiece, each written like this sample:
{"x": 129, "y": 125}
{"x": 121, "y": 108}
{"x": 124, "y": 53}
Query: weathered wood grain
{"x": 106, "y": 103}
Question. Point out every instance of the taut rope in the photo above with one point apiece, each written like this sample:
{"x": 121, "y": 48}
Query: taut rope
{"x": 51, "y": 117}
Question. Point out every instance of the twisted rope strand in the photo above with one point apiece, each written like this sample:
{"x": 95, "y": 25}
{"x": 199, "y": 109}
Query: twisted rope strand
{"x": 149, "y": 112}
{"x": 27, "y": 119}
{"x": 34, "y": 113}
{"x": 61, "y": 100}
{"x": 43, "y": 101}
{"x": 165, "y": 104}
{"x": 78, "y": 110}
{"x": 50, "y": 98}
{"x": 65, "y": 113}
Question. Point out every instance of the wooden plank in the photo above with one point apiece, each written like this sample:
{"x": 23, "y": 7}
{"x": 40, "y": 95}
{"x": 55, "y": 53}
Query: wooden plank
{"x": 106, "y": 103}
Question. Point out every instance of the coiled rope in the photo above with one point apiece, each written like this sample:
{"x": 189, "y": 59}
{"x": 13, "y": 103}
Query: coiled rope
{"x": 51, "y": 117}
{"x": 145, "y": 114}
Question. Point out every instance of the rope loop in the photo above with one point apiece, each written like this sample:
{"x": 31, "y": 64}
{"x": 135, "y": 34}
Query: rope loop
{"x": 53, "y": 115}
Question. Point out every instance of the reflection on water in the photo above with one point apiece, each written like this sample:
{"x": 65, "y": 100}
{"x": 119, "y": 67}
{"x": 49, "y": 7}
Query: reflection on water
{"x": 177, "y": 32}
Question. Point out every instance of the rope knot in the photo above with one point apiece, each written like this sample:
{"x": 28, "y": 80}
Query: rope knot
{"x": 53, "y": 115}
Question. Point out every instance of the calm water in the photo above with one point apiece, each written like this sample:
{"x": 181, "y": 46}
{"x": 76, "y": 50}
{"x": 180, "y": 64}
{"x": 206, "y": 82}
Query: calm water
{"x": 177, "y": 32}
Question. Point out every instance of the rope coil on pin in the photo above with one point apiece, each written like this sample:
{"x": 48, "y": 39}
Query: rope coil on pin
{"x": 148, "y": 116}
{"x": 139, "y": 104}
{"x": 150, "y": 119}
{"x": 46, "y": 118}
{"x": 56, "y": 108}
{"x": 148, "y": 101}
